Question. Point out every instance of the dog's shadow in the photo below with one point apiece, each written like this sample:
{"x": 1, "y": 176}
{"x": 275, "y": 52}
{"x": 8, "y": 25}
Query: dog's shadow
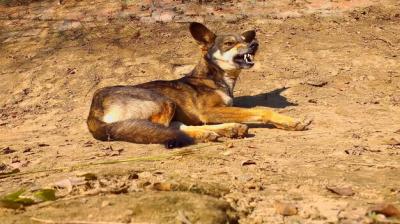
{"x": 272, "y": 99}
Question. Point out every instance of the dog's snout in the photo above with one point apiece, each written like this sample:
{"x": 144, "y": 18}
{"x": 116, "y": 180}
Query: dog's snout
{"x": 253, "y": 45}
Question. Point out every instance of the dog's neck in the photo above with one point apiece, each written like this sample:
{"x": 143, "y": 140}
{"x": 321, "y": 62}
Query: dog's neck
{"x": 223, "y": 80}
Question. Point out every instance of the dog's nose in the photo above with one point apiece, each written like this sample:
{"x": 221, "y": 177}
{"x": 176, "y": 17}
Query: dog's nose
{"x": 253, "y": 45}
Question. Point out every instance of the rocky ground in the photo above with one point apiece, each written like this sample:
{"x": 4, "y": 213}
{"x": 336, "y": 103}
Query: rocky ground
{"x": 336, "y": 61}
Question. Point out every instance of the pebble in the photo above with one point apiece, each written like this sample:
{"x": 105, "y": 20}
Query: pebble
{"x": 105, "y": 204}
{"x": 285, "y": 209}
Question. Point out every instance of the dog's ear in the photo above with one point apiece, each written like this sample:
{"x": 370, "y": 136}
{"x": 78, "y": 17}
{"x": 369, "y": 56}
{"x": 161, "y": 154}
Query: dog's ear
{"x": 249, "y": 36}
{"x": 201, "y": 33}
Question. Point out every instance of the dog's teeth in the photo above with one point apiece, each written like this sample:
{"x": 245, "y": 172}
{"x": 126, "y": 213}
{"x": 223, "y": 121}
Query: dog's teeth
{"x": 251, "y": 57}
{"x": 246, "y": 59}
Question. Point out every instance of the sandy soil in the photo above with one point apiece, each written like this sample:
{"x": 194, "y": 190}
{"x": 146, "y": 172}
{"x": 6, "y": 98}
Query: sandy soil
{"x": 336, "y": 61}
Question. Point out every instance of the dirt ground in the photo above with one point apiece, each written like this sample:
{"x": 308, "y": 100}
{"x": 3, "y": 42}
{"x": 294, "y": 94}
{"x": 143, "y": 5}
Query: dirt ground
{"x": 335, "y": 61}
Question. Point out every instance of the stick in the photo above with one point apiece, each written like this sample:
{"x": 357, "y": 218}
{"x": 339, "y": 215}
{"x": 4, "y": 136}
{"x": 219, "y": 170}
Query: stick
{"x": 183, "y": 152}
{"x": 49, "y": 221}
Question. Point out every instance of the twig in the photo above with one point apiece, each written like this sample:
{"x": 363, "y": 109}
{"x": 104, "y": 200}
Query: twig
{"x": 373, "y": 165}
{"x": 49, "y": 221}
{"x": 183, "y": 152}
{"x": 384, "y": 40}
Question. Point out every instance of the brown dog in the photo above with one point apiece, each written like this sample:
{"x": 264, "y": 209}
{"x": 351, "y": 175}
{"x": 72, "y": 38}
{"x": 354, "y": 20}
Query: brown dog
{"x": 174, "y": 112}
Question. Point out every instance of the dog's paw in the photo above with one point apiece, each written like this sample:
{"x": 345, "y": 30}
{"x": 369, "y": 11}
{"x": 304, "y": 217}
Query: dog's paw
{"x": 233, "y": 130}
{"x": 206, "y": 136}
{"x": 302, "y": 124}
{"x": 201, "y": 135}
{"x": 296, "y": 125}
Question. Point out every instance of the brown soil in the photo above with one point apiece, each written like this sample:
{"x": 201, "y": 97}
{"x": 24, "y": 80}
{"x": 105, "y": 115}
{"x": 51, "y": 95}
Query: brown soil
{"x": 335, "y": 61}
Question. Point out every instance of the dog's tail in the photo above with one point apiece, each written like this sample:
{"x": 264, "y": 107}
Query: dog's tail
{"x": 138, "y": 131}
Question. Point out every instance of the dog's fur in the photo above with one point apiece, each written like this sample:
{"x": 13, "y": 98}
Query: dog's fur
{"x": 174, "y": 112}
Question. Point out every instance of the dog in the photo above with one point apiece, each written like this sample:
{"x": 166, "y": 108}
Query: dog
{"x": 195, "y": 108}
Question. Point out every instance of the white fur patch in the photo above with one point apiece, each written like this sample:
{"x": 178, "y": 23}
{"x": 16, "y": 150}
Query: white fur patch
{"x": 133, "y": 109}
{"x": 225, "y": 60}
{"x": 225, "y": 97}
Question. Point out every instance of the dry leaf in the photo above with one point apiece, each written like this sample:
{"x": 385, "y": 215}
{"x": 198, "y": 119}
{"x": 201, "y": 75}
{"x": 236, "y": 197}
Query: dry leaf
{"x": 7, "y": 169}
{"x": 69, "y": 183}
{"x": 248, "y": 162}
{"x": 392, "y": 141}
{"x": 386, "y": 209}
{"x": 343, "y": 191}
{"x": 316, "y": 82}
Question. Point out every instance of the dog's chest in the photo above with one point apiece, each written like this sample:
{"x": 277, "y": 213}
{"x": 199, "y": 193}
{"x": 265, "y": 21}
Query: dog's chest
{"x": 228, "y": 100}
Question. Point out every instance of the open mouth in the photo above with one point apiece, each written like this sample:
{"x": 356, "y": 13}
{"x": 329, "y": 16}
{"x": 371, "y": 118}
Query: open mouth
{"x": 246, "y": 59}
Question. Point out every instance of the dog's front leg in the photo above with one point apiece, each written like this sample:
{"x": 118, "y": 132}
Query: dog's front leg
{"x": 243, "y": 115}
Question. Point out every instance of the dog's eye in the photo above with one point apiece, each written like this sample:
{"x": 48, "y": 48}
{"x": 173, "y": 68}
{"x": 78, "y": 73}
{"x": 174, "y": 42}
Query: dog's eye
{"x": 229, "y": 43}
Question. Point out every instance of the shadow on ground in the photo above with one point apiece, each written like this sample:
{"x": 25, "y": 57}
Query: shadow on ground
{"x": 272, "y": 99}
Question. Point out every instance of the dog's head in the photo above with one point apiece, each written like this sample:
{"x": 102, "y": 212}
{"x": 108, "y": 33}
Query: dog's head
{"x": 228, "y": 51}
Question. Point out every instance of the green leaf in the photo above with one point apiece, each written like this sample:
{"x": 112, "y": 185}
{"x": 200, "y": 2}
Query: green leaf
{"x": 45, "y": 194}
{"x": 14, "y": 195}
{"x": 14, "y": 200}
{"x": 18, "y": 199}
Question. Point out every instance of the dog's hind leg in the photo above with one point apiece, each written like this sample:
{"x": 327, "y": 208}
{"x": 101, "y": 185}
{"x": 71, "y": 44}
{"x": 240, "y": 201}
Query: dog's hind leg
{"x": 143, "y": 131}
{"x": 134, "y": 115}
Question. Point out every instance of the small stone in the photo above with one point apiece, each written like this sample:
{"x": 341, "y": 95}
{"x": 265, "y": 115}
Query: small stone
{"x": 285, "y": 209}
{"x": 229, "y": 145}
{"x": 147, "y": 19}
{"x": 105, "y": 204}
{"x": 167, "y": 16}
{"x": 15, "y": 159}
{"x": 133, "y": 176}
{"x": 227, "y": 153}
{"x": 8, "y": 150}
{"x": 87, "y": 176}
{"x": 162, "y": 186}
